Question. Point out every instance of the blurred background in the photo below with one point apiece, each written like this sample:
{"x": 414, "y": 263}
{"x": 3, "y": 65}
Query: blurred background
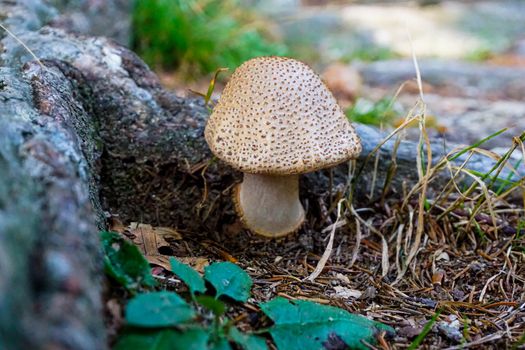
{"x": 471, "y": 54}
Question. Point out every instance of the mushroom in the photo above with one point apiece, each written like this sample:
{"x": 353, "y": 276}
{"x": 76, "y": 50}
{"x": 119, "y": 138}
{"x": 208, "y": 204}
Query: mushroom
{"x": 275, "y": 120}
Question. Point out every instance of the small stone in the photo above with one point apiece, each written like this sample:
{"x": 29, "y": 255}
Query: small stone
{"x": 344, "y": 81}
{"x": 346, "y": 293}
{"x": 370, "y": 293}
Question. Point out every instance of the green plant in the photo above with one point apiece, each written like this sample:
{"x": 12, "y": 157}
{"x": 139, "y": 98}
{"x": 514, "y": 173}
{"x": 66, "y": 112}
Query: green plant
{"x": 303, "y": 324}
{"x": 164, "y": 320}
{"x": 519, "y": 343}
{"x": 428, "y": 327}
{"x": 124, "y": 262}
{"x": 520, "y": 230}
{"x": 519, "y": 239}
{"x": 197, "y": 35}
{"x": 373, "y": 113}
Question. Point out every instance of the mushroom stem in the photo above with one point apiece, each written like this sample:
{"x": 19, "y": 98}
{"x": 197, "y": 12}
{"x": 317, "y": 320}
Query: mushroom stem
{"x": 269, "y": 205}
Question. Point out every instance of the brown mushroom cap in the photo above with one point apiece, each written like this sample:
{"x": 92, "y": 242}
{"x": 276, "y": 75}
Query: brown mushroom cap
{"x": 276, "y": 116}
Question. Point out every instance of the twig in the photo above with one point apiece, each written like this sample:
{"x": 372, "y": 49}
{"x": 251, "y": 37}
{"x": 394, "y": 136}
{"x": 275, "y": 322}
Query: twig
{"x": 358, "y": 237}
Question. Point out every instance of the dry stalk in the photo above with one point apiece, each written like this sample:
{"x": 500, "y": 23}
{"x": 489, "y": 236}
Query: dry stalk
{"x": 24, "y": 46}
{"x": 329, "y": 247}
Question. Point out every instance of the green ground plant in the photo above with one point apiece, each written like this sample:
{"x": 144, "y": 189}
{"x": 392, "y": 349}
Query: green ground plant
{"x": 378, "y": 113}
{"x": 426, "y": 329}
{"x": 198, "y": 36}
{"x": 166, "y": 320}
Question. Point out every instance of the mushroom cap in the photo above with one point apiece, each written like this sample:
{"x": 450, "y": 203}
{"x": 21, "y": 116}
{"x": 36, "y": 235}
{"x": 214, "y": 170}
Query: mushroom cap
{"x": 276, "y": 116}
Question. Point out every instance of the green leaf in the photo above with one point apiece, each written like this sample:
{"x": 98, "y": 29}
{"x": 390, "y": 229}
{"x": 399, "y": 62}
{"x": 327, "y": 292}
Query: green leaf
{"x": 124, "y": 262}
{"x": 158, "y": 309}
{"x": 220, "y": 344}
{"x": 193, "y": 280}
{"x": 211, "y": 87}
{"x": 230, "y": 280}
{"x": 305, "y": 325}
{"x": 247, "y": 341}
{"x": 216, "y": 306}
{"x": 373, "y": 113}
{"x": 192, "y": 339}
{"x": 421, "y": 336}
{"x": 147, "y": 341}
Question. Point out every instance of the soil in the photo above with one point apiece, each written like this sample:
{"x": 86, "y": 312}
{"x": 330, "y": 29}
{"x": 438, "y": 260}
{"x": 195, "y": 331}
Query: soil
{"x": 474, "y": 276}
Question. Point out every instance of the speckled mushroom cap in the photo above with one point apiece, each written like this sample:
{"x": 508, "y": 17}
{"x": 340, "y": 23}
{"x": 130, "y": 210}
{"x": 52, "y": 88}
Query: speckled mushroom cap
{"x": 276, "y": 116}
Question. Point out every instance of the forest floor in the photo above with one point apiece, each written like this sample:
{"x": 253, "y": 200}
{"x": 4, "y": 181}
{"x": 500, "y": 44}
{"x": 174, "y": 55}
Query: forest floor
{"x": 466, "y": 273}
{"x": 453, "y": 260}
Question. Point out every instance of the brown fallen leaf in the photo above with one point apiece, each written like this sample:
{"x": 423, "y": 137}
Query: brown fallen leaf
{"x": 147, "y": 238}
{"x": 116, "y": 225}
{"x": 161, "y": 260}
{"x": 197, "y": 263}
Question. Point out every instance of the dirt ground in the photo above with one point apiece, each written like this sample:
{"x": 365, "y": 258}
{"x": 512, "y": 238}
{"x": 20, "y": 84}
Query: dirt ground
{"x": 473, "y": 275}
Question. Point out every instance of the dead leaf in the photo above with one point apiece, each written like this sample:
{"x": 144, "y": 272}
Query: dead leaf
{"x": 150, "y": 239}
{"x": 197, "y": 263}
{"x": 161, "y": 260}
{"x": 343, "y": 278}
{"x": 116, "y": 225}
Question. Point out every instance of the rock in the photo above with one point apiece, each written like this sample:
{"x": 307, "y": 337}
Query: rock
{"x": 451, "y": 328}
{"x": 450, "y": 29}
{"x": 409, "y": 332}
{"x": 110, "y": 19}
{"x": 344, "y": 82}
{"x": 450, "y": 78}
{"x": 468, "y": 120}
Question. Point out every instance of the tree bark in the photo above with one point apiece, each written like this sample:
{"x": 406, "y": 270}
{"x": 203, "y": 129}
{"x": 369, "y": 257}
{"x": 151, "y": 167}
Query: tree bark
{"x": 86, "y": 131}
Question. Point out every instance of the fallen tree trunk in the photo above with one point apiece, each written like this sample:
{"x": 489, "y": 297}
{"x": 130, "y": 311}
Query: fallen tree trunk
{"x": 86, "y": 131}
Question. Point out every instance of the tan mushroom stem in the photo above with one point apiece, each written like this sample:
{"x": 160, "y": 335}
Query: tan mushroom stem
{"x": 269, "y": 205}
